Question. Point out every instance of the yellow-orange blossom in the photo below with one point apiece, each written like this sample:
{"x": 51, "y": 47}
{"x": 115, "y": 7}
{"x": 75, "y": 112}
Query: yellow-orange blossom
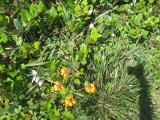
{"x": 69, "y": 101}
{"x": 58, "y": 86}
{"x": 64, "y": 72}
{"x": 90, "y": 88}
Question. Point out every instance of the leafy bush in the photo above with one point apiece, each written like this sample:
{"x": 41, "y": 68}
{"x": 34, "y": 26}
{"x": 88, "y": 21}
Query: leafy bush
{"x": 85, "y": 59}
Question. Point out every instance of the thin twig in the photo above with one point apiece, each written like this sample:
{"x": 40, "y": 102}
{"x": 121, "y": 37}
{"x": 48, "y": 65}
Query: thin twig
{"x": 89, "y": 24}
{"x": 102, "y": 15}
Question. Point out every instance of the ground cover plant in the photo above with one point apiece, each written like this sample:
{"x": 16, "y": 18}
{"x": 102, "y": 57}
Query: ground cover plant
{"x": 79, "y": 59}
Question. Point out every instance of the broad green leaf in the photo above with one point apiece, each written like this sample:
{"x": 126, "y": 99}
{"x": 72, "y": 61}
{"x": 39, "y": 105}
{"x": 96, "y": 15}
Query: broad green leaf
{"x": 77, "y": 81}
{"x": 43, "y": 103}
{"x": 78, "y": 9}
{"x": 88, "y": 10}
{"x": 138, "y": 18}
{"x": 23, "y": 49}
{"x": 18, "y": 24}
{"x": 95, "y": 35}
{"x": 52, "y": 89}
{"x": 28, "y": 27}
{"x": 34, "y": 118}
{"x": 33, "y": 10}
{"x": 145, "y": 33}
{"x": 83, "y": 48}
{"x": 83, "y": 62}
{"x": 53, "y": 12}
{"x": 70, "y": 3}
{"x": 4, "y": 38}
{"x": 86, "y": 83}
{"x": 64, "y": 91}
{"x": 25, "y": 15}
{"x": 85, "y": 2}
{"x": 31, "y": 61}
{"x": 53, "y": 65}
{"x": 66, "y": 16}
{"x": 19, "y": 41}
{"x": 22, "y": 66}
{"x": 68, "y": 114}
{"x": 41, "y": 7}
{"x": 151, "y": 1}
{"x": 2, "y": 66}
{"x": 12, "y": 73}
{"x": 100, "y": 20}
{"x": 89, "y": 39}
{"x": 149, "y": 20}
{"x": 105, "y": 34}
{"x": 36, "y": 45}
{"x": 93, "y": 1}
{"x": 4, "y": 20}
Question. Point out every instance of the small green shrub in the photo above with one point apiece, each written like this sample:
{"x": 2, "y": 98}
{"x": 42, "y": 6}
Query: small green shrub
{"x": 86, "y": 59}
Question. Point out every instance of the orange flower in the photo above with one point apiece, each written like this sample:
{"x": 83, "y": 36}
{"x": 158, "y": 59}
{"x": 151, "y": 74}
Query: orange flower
{"x": 64, "y": 73}
{"x": 90, "y": 88}
{"x": 58, "y": 86}
{"x": 69, "y": 101}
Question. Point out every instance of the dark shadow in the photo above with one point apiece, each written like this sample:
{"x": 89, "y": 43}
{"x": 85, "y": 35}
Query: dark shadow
{"x": 145, "y": 103}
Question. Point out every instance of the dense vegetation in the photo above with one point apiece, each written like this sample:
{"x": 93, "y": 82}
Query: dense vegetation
{"x": 79, "y": 59}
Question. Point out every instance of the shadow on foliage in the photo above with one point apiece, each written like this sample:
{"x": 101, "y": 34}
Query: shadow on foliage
{"x": 145, "y": 103}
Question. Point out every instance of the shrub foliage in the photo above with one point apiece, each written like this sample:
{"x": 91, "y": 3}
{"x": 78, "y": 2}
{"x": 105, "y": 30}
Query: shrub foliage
{"x": 79, "y": 59}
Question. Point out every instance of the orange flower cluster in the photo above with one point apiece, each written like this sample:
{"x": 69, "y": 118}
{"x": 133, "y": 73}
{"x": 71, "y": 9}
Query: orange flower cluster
{"x": 58, "y": 86}
{"x": 69, "y": 101}
{"x": 64, "y": 73}
{"x": 90, "y": 88}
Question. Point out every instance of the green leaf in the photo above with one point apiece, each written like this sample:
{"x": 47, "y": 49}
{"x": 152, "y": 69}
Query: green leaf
{"x": 70, "y": 3}
{"x": 18, "y": 24}
{"x": 53, "y": 12}
{"x": 105, "y": 34}
{"x": 23, "y": 49}
{"x": 53, "y": 66}
{"x": 93, "y": 1}
{"x": 43, "y": 103}
{"x": 149, "y": 20}
{"x": 77, "y": 81}
{"x": 86, "y": 83}
{"x": 1, "y": 49}
{"x": 41, "y": 7}
{"x": 25, "y": 15}
{"x": 28, "y": 27}
{"x": 95, "y": 35}
{"x": 66, "y": 16}
{"x": 68, "y": 114}
{"x": 33, "y": 10}
{"x": 64, "y": 91}
{"x": 151, "y": 1}
{"x": 85, "y": 2}
{"x": 36, "y": 45}
{"x": 41, "y": 72}
{"x": 4, "y": 38}
{"x": 52, "y": 89}
{"x": 83, "y": 62}
{"x": 12, "y": 73}
{"x": 78, "y": 9}
{"x": 138, "y": 18}
{"x": 34, "y": 118}
{"x": 19, "y": 41}
{"x": 83, "y": 48}
{"x": 145, "y": 33}
{"x": 22, "y": 66}
{"x": 100, "y": 20}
